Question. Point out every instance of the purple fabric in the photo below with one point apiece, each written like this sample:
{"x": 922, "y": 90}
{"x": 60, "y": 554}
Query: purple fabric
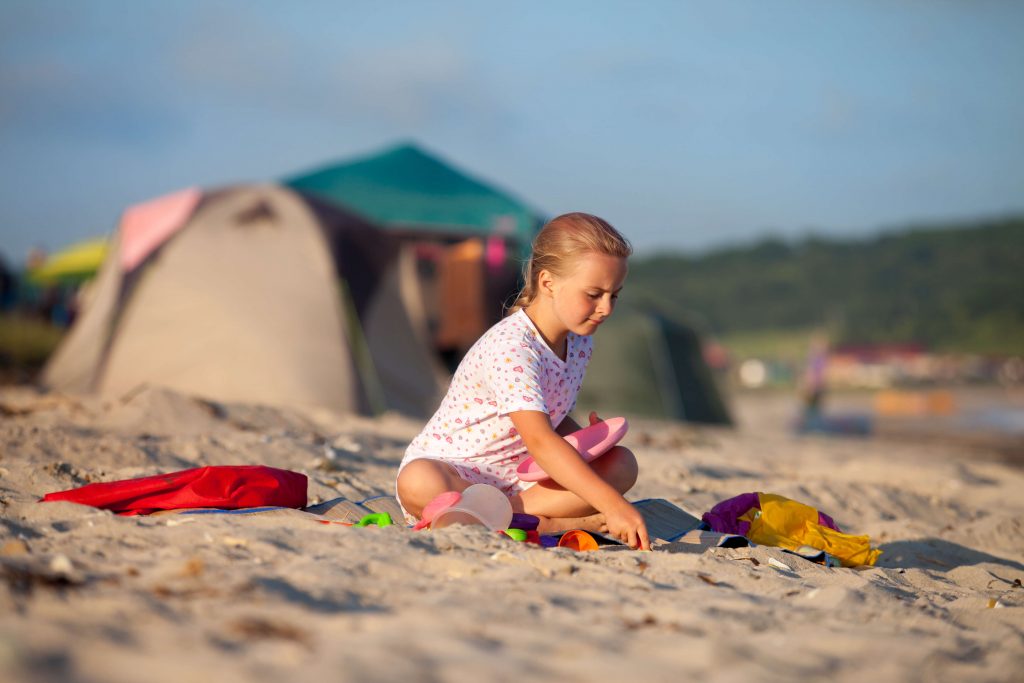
{"x": 524, "y": 521}
{"x": 724, "y": 517}
{"x": 550, "y": 541}
{"x": 825, "y": 520}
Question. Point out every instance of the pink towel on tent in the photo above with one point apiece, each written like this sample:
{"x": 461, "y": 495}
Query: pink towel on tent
{"x": 146, "y": 226}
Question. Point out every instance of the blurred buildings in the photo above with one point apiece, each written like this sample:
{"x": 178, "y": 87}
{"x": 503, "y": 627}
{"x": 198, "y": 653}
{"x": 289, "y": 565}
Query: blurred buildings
{"x": 884, "y": 367}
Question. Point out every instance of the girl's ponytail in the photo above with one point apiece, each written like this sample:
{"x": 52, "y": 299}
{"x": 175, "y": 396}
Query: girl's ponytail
{"x": 529, "y": 290}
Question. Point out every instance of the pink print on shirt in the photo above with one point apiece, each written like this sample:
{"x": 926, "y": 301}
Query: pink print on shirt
{"x": 510, "y": 368}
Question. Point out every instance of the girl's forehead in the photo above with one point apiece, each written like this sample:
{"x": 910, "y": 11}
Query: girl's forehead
{"x": 599, "y": 267}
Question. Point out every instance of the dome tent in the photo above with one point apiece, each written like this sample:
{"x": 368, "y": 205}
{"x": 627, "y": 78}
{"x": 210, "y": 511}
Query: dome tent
{"x": 253, "y": 294}
{"x": 478, "y": 235}
{"x": 646, "y": 364}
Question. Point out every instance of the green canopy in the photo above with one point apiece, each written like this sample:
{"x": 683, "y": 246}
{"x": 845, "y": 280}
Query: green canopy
{"x": 408, "y": 189}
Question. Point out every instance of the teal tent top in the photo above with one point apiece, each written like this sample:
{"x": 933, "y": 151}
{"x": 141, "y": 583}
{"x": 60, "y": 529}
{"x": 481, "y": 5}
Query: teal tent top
{"x": 406, "y": 188}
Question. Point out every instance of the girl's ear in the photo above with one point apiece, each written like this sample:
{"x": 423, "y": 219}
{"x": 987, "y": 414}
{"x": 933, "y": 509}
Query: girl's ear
{"x": 545, "y": 283}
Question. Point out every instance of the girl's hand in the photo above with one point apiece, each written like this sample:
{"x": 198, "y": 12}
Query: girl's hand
{"x": 594, "y": 419}
{"x": 627, "y": 525}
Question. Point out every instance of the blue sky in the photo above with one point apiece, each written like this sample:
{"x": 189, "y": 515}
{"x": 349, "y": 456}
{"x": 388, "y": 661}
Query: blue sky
{"x": 688, "y": 125}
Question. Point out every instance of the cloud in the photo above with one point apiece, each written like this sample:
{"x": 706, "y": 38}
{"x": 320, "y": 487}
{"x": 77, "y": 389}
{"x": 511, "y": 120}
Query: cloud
{"x": 416, "y": 85}
{"x": 406, "y": 84}
{"x": 54, "y": 99}
{"x": 64, "y": 76}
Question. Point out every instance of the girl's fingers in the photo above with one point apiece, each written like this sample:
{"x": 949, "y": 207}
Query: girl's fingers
{"x": 594, "y": 419}
{"x": 645, "y": 541}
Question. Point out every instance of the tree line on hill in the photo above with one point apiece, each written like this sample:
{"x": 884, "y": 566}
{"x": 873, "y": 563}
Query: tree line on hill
{"x": 951, "y": 288}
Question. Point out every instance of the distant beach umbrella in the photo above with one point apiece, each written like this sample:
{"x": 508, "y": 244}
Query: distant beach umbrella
{"x": 77, "y": 263}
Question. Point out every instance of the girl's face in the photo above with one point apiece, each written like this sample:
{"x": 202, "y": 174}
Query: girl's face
{"x": 586, "y": 296}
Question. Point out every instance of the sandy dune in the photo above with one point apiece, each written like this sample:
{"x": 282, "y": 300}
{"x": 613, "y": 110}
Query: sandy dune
{"x": 89, "y": 596}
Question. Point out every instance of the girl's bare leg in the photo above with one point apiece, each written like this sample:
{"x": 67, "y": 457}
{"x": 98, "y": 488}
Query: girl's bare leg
{"x": 424, "y": 479}
{"x": 561, "y": 509}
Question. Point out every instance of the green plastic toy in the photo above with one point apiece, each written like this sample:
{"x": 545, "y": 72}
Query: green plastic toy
{"x": 381, "y": 519}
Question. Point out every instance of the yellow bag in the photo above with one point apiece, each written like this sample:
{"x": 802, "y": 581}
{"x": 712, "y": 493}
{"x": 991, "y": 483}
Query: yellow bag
{"x": 788, "y": 524}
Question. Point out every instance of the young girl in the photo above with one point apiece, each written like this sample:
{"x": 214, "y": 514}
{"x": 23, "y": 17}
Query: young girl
{"x": 513, "y": 391}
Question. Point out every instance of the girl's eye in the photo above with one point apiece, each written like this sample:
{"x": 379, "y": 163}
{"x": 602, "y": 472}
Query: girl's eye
{"x": 594, "y": 295}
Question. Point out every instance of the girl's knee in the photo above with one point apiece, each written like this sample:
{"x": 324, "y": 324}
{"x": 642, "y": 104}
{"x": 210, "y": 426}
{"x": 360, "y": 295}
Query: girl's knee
{"x": 622, "y": 468}
{"x": 415, "y": 481}
{"x": 422, "y": 480}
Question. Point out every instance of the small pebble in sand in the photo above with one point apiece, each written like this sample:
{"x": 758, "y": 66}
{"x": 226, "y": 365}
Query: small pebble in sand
{"x": 60, "y": 564}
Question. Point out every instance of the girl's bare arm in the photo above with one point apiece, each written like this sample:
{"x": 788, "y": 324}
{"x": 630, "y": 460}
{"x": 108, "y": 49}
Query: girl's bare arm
{"x": 565, "y": 466}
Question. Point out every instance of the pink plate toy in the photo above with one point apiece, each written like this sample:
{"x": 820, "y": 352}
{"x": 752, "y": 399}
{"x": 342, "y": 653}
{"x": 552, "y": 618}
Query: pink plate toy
{"x": 591, "y": 442}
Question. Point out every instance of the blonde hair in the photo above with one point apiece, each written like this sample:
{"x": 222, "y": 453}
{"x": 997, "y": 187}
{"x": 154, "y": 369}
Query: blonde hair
{"x": 562, "y": 241}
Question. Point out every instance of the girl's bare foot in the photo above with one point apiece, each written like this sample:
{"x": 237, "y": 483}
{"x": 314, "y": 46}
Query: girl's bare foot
{"x": 553, "y": 525}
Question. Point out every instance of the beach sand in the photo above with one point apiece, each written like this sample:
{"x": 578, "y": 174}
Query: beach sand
{"x": 90, "y": 596}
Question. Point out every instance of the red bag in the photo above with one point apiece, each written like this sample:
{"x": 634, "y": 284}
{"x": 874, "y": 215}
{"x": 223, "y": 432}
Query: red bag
{"x": 225, "y": 486}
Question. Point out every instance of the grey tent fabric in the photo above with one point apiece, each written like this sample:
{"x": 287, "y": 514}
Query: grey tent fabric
{"x": 74, "y": 364}
{"x": 648, "y": 365}
{"x": 251, "y": 301}
{"x": 400, "y": 347}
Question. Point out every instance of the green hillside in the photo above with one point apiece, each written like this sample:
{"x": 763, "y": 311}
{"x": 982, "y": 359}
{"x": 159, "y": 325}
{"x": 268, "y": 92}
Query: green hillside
{"x": 955, "y": 288}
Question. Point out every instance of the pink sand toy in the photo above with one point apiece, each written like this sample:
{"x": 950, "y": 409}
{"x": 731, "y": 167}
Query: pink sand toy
{"x": 591, "y": 442}
{"x": 442, "y": 501}
{"x": 477, "y": 504}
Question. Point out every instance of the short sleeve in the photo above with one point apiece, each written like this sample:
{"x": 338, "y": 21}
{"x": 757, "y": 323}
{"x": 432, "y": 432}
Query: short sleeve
{"x": 514, "y": 370}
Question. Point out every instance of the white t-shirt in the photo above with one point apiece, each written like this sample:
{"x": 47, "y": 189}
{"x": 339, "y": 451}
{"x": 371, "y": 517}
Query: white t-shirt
{"x": 509, "y": 368}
